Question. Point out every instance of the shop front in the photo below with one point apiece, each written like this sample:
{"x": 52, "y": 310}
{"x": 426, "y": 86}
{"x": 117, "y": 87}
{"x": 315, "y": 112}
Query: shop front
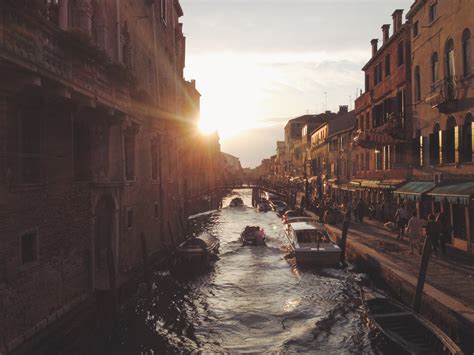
{"x": 456, "y": 200}
{"x": 414, "y": 194}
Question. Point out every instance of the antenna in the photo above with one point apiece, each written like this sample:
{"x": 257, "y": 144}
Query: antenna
{"x": 326, "y": 100}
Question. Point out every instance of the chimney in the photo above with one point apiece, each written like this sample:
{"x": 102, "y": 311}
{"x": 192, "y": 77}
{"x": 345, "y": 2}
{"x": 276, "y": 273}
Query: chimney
{"x": 397, "y": 20}
{"x": 386, "y": 33}
{"x": 374, "y": 43}
{"x": 343, "y": 109}
{"x": 327, "y": 112}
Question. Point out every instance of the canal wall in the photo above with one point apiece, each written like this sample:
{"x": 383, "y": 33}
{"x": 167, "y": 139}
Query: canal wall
{"x": 451, "y": 315}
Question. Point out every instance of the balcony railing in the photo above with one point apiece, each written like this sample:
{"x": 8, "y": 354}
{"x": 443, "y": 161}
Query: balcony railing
{"x": 391, "y": 132}
{"x": 443, "y": 91}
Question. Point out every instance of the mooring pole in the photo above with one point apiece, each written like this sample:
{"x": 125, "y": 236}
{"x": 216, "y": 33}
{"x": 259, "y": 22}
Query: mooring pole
{"x": 422, "y": 274}
{"x": 112, "y": 283}
{"x": 345, "y": 230}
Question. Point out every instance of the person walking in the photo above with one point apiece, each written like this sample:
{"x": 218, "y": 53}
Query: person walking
{"x": 414, "y": 232}
{"x": 445, "y": 231}
{"x": 433, "y": 231}
{"x": 401, "y": 217}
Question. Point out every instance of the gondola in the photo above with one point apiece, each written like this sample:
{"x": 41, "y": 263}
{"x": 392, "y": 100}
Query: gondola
{"x": 198, "y": 251}
{"x": 404, "y": 328}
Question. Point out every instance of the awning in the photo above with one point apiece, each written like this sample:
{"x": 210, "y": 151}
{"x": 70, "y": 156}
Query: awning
{"x": 348, "y": 187}
{"x": 390, "y": 184}
{"x": 370, "y": 184}
{"x": 414, "y": 189}
{"x": 455, "y": 193}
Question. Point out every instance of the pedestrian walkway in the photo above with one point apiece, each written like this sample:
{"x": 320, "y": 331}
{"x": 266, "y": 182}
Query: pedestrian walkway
{"x": 449, "y": 279}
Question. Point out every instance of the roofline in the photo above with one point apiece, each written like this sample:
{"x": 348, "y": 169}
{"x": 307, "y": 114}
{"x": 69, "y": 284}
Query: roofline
{"x": 377, "y": 55}
{"x": 318, "y": 128}
{"x": 342, "y": 131}
{"x": 178, "y": 7}
{"x": 417, "y": 5}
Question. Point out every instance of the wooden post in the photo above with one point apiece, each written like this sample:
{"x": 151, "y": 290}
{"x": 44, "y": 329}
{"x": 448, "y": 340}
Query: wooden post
{"x": 343, "y": 242}
{"x": 422, "y": 274}
{"x": 468, "y": 228}
{"x": 146, "y": 269}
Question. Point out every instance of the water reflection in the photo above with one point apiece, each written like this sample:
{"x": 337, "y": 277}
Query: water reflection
{"x": 253, "y": 300}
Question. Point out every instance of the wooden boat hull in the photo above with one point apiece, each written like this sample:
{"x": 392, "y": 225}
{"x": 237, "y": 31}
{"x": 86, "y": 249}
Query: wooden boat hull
{"x": 404, "y": 328}
{"x": 319, "y": 258}
{"x": 198, "y": 255}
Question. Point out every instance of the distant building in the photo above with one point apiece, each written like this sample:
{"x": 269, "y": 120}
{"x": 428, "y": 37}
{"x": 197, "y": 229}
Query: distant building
{"x": 231, "y": 167}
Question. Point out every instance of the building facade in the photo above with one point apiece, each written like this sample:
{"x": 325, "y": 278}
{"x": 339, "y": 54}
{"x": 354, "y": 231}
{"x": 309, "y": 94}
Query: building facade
{"x": 92, "y": 125}
{"x": 443, "y": 107}
{"x": 382, "y": 149}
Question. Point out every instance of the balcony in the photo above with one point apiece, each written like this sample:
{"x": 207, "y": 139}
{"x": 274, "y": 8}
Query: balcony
{"x": 443, "y": 93}
{"x": 390, "y": 133}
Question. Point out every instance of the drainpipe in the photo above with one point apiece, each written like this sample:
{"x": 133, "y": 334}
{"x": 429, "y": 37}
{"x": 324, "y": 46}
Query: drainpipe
{"x": 117, "y": 14}
{"x": 155, "y": 50}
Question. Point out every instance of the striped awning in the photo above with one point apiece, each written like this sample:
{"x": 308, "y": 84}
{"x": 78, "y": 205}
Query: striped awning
{"x": 414, "y": 189}
{"x": 459, "y": 193}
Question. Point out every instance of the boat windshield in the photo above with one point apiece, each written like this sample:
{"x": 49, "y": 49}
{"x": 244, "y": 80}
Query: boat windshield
{"x": 311, "y": 236}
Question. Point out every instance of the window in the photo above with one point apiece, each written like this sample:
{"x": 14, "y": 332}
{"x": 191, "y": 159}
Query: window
{"x": 421, "y": 146}
{"x": 450, "y": 63}
{"x": 450, "y": 140}
{"x": 387, "y": 65}
{"x": 378, "y": 159}
{"x": 129, "y": 150}
{"x": 367, "y": 161}
{"x": 417, "y": 84}
{"x": 387, "y": 157}
{"x": 400, "y": 54}
{"x": 367, "y": 82}
{"x": 73, "y": 20}
{"x": 466, "y": 52}
{"x": 432, "y": 12}
{"x": 434, "y": 68}
{"x": 367, "y": 121}
{"x": 29, "y": 146}
{"x": 416, "y": 29}
{"x": 468, "y": 139}
{"x": 29, "y": 247}
{"x": 130, "y": 218}
{"x": 164, "y": 10}
{"x": 378, "y": 73}
{"x": 436, "y": 146}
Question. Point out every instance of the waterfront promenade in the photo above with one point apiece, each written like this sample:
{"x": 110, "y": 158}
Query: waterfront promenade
{"x": 449, "y": 289}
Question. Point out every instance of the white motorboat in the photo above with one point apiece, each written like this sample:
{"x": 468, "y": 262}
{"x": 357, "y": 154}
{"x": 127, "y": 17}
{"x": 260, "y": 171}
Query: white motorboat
{"x": 311, "y": 243}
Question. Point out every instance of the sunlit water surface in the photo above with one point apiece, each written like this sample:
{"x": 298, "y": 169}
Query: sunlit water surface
{"x": 253, "y": 300}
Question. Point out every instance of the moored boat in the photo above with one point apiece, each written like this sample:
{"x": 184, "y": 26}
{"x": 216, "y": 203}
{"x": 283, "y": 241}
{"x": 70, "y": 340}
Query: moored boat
{"x": 253, "y": 236}
{"x": 236, "y": 202}
{"x": 198, "y": 251}
{"x": 311, "y": 243}
{"x": 405, "y": 328}
{"x": 264, "y": 206}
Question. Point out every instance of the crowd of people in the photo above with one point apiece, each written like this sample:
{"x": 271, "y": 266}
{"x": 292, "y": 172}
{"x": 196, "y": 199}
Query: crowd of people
{"x": 407, "y": 224}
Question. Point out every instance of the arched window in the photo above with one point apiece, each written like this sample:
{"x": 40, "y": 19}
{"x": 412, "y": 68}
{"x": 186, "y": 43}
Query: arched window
{"x": 466, "y": 52}
{"x": 417, "y": 84}
{"x": 434, "y": 68}
{"x": 450, "y": 64}
{"x": 436, "y": 146}
{"x": 468, "y": 139}
{"x": 450, "y": 141}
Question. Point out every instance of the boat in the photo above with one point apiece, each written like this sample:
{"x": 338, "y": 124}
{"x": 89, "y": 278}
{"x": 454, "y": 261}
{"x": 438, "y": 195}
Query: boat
{"x": 198, "y": 251}
{"x": 405, "y": 328}
{"x": 311, "y": 243}
{"x": 279, "y": 206}
{"x": 264, "y": 206}
{"x": 287, "y": 215}
{"x": 236, "y": 202}
{"x": 254, "y": 236}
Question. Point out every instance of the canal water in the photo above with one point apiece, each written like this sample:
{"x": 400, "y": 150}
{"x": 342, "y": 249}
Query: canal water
{"x": 252, "y": 300}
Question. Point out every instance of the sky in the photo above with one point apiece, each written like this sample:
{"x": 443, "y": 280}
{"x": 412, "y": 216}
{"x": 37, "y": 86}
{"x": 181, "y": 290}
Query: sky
{"x": 259, "y": 63}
